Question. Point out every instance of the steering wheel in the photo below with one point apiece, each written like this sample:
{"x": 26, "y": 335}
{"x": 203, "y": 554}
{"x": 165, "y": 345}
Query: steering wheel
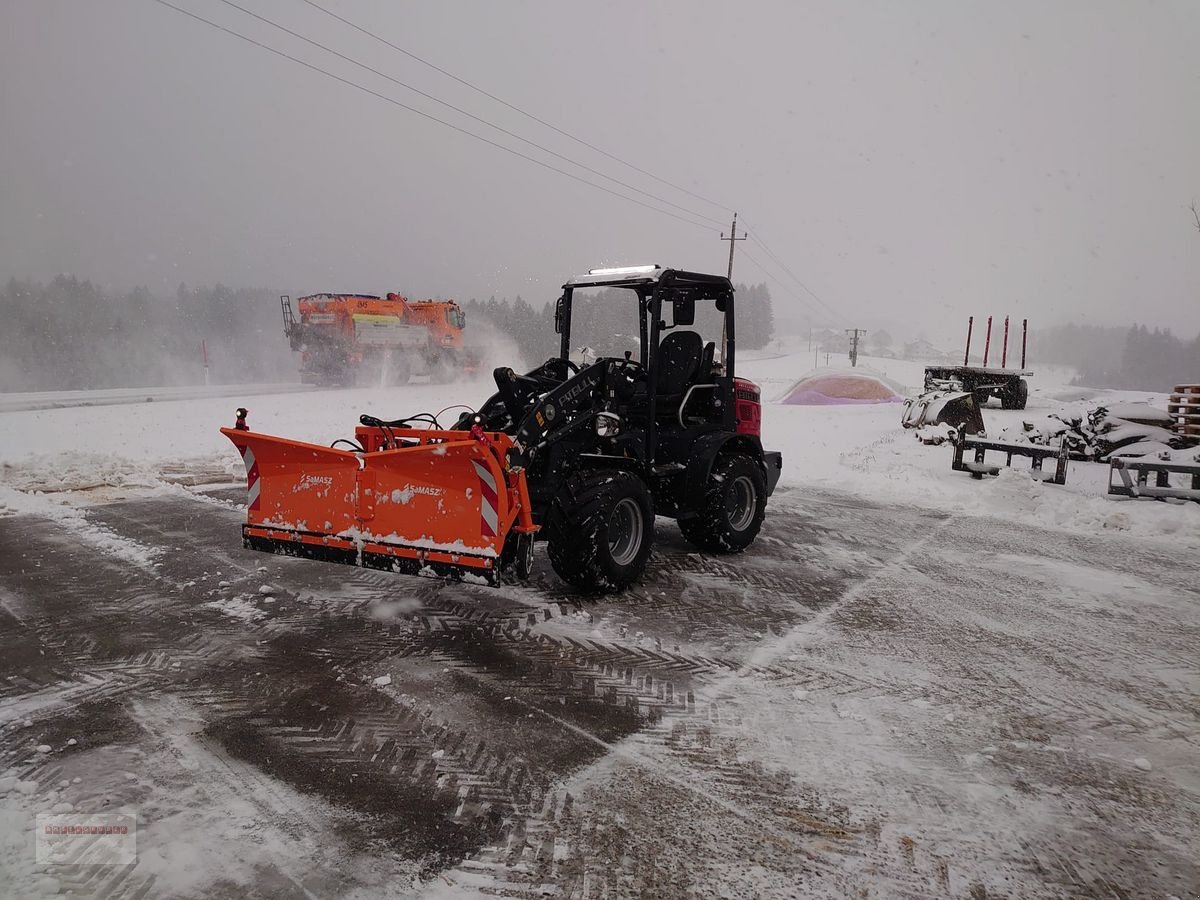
{"x": 628, "y": 371}
{"x": 556, "y": 368}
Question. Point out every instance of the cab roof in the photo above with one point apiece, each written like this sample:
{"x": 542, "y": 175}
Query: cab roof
{"x": 628, "y": 276}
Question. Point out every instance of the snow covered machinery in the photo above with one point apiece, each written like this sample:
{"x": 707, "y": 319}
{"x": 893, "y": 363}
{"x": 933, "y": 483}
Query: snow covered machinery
{"x": 954, "y": 395}
{"x": 361, "y": 338}
{"x": 582, "y": 458}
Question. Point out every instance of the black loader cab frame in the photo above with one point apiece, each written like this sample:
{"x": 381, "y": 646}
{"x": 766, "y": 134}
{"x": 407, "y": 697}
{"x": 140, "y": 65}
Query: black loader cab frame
{"x": 613, "y": 443}
{"x": 658, "y": 292}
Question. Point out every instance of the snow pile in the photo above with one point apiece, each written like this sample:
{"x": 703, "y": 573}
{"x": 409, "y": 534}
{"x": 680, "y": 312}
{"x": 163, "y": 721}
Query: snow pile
{"x": 76, "y": 521}
{"x": 76, "y": 470}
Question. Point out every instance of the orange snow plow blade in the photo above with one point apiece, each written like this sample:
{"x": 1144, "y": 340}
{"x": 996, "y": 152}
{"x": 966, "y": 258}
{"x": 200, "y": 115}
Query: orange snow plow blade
{"x": 420, "y": 502}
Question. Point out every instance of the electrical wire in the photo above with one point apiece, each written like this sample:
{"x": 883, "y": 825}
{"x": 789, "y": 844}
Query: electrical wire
{"x": 437, "y": 415}
{"x": 757, "y": 238}
{"x": 516, "y": 108}
{"x": 463, "y": 112}
{"x": 754, "y": 233}
{"x": 745, "y": 254}
{"x": 425, "y": 115}
{"x": 783, "y": 287}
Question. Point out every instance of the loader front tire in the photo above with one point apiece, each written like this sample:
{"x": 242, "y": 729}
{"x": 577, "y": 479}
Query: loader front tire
{"x": 601, "y": 530}
{"x": 733, "y": 508}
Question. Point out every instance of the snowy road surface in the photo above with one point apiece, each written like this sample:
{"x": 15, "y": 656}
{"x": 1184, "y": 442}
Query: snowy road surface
{"x": 914, "y": 684}
{"x": 876, "y": 700}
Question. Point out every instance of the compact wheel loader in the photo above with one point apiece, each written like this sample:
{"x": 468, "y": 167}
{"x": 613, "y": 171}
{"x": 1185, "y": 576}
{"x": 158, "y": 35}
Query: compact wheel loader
{"x": 582, "y": 458}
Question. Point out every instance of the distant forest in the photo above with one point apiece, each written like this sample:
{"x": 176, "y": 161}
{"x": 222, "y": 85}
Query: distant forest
{"x": 72, "y": 335}
{"x": 69, "y": 334}
{"x": 1135, "y": 358}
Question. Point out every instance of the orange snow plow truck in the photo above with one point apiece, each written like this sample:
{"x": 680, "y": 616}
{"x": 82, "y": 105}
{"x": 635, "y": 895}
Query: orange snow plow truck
{"x": 347, "y": 339}
{"x": 582, "y": 458}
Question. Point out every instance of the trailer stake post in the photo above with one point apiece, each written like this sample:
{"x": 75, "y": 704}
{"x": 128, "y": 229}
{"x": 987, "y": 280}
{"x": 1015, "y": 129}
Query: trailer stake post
{"x": 967, "y": 355}
{"x": 1004, "y": 346}
{"x": 987, "y": 343}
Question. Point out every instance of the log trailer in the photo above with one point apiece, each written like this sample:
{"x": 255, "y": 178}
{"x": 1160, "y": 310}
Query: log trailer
{"x": 581, "y": 458}
{"x": 983, "y": 382}
{"x": 346, "y": 339}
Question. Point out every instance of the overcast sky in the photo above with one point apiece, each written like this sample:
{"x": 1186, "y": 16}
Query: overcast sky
{"x": 907, "y": 161}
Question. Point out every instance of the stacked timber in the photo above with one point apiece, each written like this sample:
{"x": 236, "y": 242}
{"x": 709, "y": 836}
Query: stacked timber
{"x": 1184, "y": 409}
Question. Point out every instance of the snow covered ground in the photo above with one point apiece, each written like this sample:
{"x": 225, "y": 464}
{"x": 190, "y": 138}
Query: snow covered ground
{"x": 915, "y": 684}
{"x": 858, "y": 449}
{"x": 12, "y": 402}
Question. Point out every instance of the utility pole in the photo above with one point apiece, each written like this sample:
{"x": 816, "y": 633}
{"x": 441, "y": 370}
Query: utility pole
{"x": 854, "y": 333}
{"x": 733, "y": 238}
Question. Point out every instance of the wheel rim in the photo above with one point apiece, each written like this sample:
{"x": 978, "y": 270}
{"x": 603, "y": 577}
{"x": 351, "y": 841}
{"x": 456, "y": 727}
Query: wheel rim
{"x": 740, "y": 503}
{"x": 625, "y": 531}
{"x": 526, "y": 556}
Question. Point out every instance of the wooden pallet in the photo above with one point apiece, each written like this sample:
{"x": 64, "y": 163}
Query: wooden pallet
{"x": 1184, "y": 409}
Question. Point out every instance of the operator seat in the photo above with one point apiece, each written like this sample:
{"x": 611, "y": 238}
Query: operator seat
{"x": 679, "y": 358}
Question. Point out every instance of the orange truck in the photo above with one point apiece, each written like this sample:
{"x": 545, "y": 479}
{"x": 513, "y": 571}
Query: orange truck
{"x": 347, "y": 339}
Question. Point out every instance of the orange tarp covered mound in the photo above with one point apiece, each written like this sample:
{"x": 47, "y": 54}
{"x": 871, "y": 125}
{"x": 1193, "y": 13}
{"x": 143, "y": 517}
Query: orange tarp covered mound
{"x": 827, "y": 390}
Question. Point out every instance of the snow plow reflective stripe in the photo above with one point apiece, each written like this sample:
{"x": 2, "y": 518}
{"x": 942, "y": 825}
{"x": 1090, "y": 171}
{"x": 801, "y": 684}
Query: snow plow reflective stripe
{"x": 253, "y": 487}
{"x": 488, "y": 517}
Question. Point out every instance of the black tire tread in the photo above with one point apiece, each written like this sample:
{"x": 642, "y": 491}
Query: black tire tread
{"x": 708, "y": 529}
{"x": 575, "y": 522}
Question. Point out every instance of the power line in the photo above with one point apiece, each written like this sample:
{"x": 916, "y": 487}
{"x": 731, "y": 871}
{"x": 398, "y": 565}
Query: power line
{"x": 515, "y": 108}
{"x": 788, "y": 291}
{"x": 758, "y": 240}
{"x": 464, "y": 112}
{"x": 425, "y": 115}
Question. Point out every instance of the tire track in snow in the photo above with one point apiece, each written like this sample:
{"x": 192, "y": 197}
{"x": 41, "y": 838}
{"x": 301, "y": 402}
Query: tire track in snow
{"x": 486, "y": 781}
{"x": 491, "y": 649}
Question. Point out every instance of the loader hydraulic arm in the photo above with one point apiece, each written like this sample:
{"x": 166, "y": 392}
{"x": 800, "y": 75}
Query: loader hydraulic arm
{"x": 555, "y": 412}
{"x": 517, "y": 391}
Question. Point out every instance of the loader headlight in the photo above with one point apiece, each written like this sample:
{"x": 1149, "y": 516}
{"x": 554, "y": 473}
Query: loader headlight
{"x": 607, "y": 425}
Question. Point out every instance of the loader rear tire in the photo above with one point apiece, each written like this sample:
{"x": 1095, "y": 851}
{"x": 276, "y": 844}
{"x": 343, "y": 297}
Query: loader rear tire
{"x": 601, "y": 530}
{"x": 733, "y": 508}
